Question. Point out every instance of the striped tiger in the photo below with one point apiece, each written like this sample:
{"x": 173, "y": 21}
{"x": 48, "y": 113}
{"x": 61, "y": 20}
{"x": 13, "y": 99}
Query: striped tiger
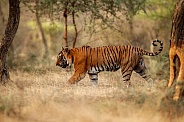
{"x": 91, "y": 61}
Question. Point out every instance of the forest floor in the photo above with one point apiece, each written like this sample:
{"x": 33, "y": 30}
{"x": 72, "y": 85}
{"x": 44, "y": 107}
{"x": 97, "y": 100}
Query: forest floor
{"x": 41, "y": 96}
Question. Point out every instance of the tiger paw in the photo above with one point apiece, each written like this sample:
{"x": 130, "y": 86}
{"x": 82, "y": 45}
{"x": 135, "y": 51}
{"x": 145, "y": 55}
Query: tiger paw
{"x": 128, "y": 84}
{"x": 67, "y": 84}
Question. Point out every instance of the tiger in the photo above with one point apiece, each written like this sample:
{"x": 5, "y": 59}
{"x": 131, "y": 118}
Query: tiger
{"x": 91, "y": 61}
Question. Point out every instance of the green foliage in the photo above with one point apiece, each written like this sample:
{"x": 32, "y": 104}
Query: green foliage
{"x": 160, "y": 9}
{"x": 7, "y": 106}
{"x": 32, "y": 25}
{"x": 50, "y": 27}
{"x": 133, "y": 6}
{"x": 159, "y": 66}
{"x": 104, "y": 10}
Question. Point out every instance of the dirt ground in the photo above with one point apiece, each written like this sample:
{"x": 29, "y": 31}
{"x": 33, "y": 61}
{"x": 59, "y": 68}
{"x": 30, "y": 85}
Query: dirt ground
{"x": 41, "y": 96}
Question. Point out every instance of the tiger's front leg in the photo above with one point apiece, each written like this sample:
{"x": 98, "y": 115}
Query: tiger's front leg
{"x": 77, "y": 76}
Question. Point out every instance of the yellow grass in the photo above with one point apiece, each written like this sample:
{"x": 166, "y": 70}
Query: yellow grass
{"x": 41, "y": 96}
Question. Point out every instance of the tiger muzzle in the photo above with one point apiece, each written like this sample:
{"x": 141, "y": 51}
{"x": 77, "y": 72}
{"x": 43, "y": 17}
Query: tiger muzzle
{"x": 62, "y": 64}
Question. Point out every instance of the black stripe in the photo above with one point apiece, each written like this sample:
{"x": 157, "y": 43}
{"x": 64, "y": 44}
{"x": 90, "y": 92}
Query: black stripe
{"x": 126, "y": 79}
{"x": 87, "y": 55}
{"x": 127, "y": 75}
{"x": 120, "y": 55}
{"x": 97, "y": 54}
{"x": 103, "y": 57}
{"x": 95, "y": 68}
{"x": 126, "y": 68}
{"x": 140, "y": 71}
{"x": 98, "y": 67}
{"x": 129, "y": 53}
{"x": 102, "y": 68}
{"x": 112, "y": 59}
{"x": 144, "y": 76}
{"x": 106, "y": 57}
{"x": 110, "y": 56}
{"x": 114, "y": 56}
{"x": 91, "y": 58}
{"x": 77, "y": 49}
{"x": 77, "y": 69}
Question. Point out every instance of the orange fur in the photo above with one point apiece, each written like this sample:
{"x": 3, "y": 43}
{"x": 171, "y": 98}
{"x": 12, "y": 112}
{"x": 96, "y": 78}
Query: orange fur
{"x": 91, "y": 61}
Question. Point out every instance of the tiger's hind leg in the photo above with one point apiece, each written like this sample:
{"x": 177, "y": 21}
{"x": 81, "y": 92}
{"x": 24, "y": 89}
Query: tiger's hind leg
{"x": 140, "y": 68}
{"x": 126, "y": 74}
{"x": 93, "y": 78}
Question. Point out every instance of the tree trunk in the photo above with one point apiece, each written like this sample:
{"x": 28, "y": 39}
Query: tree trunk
{"x": 42, "y": 32}
{"x": 1, "y": 14}
{"x": 176, "y": 52}
{"x": 65, "y": 15}
{"x": 10, "y": 31}
{"x": 74, "y": 24}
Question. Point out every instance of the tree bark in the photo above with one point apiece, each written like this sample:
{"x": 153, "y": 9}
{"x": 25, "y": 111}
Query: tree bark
{"x": 1, "y": 14}
{"x": 74, "y": 24}
{"x": 65, "y": 15}
{"x": 42, "y": 32}
{"x": 176, "y": 52}
{"x": 10, "y": 31}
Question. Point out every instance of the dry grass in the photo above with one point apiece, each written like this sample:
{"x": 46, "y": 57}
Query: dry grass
{"x": 41, "y": 96}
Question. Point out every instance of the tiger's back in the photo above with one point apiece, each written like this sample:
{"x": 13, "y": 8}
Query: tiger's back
{"x": 110, "y": 58}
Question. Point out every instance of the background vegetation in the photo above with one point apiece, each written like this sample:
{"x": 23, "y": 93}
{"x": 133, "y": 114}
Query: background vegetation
{"x": 37, "y": 91}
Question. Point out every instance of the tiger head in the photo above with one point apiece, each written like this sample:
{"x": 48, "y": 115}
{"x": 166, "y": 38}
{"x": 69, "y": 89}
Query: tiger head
{"x": 64, "y": 58}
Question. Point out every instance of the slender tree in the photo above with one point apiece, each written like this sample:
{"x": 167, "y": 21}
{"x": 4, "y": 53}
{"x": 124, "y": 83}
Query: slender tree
{"x": 41, "y": 30}
{"x": 2, "y": 14}
{"x": 65, "y": 15}
{"x": 74, "y": 24}
{"x": 176, "y": 53}
{"x": 105, "y": 11}
{"x": 10, "y": 31}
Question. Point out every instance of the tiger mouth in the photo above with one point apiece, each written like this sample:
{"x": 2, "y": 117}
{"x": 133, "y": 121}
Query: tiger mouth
{"x": 62, "y": 65}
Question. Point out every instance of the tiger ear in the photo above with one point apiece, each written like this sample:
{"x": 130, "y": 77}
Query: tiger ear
{"x": 62, "y": 48}
{"x": 67, "y": 50}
